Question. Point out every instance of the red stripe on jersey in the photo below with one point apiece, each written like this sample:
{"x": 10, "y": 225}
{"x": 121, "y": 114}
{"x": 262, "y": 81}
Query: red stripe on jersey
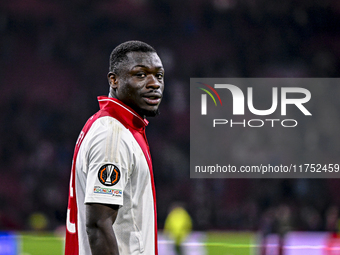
{"x": 71, "y": 240}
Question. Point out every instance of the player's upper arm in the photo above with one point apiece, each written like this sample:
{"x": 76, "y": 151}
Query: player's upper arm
{"x": 100, "y": 215}
{"x": 99, "y": 220}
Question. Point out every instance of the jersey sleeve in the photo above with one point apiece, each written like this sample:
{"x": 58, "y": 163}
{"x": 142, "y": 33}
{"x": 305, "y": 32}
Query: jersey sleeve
{"x": 109, "y": 162}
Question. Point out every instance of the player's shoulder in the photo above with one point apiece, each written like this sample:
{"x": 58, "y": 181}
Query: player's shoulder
{"x": 107, "y": 127}
{"x": 108, "y": 133}
{"x": 107, "y": 123}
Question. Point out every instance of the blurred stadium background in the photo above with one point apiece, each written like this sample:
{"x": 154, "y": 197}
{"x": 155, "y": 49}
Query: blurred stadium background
{"x": 53, "y": 65}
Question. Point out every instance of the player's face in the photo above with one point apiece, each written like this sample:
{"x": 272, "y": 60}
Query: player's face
{"x": 140, "y": 83}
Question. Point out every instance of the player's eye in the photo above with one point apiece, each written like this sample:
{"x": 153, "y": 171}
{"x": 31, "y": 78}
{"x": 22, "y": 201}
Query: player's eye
{"x": 141, "y": 75}
{"x": 159, "y": 75}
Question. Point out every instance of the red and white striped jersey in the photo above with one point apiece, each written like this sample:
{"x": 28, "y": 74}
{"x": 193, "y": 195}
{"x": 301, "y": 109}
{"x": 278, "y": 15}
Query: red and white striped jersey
{"x": 112, "y": 165}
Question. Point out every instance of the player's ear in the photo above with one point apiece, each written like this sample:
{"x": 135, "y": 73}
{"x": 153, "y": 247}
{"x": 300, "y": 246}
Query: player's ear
{"x": 112, "y": 78}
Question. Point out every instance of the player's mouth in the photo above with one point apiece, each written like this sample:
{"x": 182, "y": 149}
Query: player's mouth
{"x": 152, "y": 99}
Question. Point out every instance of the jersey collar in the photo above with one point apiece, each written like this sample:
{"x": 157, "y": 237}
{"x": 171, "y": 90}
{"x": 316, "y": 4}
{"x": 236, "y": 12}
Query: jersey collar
{"x": 122, "y": 112}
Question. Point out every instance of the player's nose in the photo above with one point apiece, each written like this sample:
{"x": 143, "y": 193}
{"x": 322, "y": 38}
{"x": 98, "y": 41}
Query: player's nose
{"x": 153, "y": 82}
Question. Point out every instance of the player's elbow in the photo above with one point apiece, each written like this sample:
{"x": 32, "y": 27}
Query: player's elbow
{"x": 96, "y": 231}
{"x": 92, "y": 228}
{"x": 94, "y": 225}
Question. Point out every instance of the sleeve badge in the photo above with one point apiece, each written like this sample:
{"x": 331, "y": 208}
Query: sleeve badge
{"x": 109, "y": 175}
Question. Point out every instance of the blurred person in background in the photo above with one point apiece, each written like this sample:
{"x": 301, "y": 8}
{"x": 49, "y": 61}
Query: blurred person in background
{"x": 112, "y": 207}
{"x": 178, "y": 226}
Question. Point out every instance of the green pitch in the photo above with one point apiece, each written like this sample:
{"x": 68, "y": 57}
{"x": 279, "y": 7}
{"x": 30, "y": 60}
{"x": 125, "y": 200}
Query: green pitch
{"x": 41, "y": 244}
{"x": 230, "y": 243}
{"x": 216, "y": 243}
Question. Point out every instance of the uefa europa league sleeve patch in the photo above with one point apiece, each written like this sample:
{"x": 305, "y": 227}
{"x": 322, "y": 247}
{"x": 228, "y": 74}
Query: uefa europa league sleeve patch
{"x": 109, "y": 175}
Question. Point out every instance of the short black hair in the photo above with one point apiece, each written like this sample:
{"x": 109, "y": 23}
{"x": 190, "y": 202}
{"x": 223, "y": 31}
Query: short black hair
{"x": 119, "y": 53}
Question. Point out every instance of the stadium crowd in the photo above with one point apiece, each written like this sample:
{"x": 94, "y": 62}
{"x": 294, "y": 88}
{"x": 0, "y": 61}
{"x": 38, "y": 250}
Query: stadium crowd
{"x": 53, "y": 65}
